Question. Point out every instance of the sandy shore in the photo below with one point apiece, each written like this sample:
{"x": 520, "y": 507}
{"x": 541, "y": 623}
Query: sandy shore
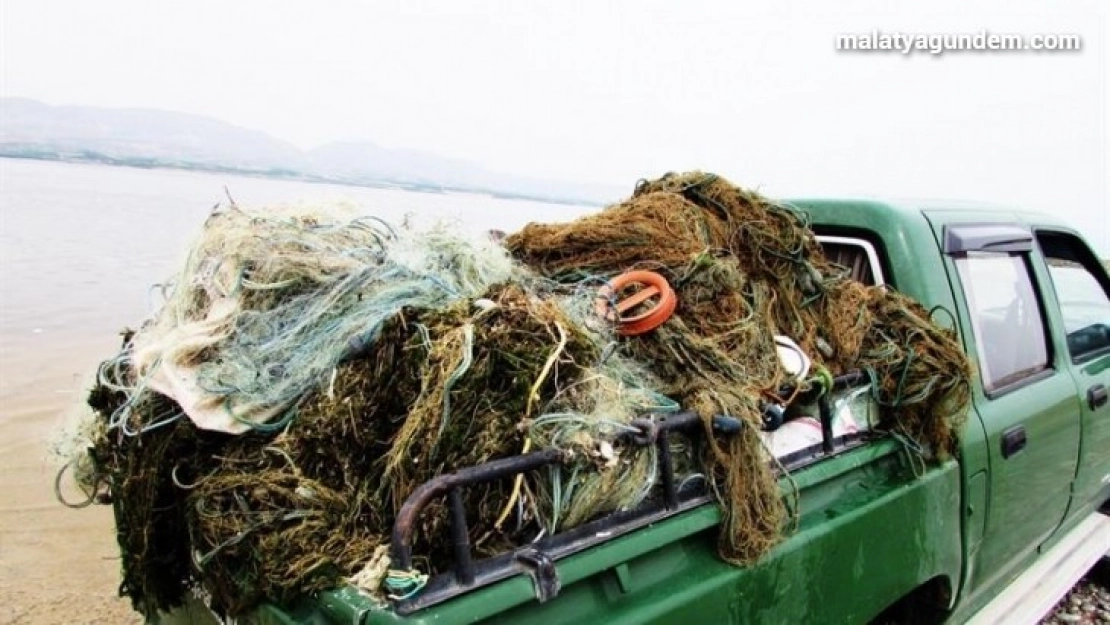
{"x": 57, "y": 565}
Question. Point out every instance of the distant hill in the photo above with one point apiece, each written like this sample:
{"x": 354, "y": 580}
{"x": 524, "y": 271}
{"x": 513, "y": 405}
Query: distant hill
{"x": 154, "y": 138}
{"x": 141, "y": 134}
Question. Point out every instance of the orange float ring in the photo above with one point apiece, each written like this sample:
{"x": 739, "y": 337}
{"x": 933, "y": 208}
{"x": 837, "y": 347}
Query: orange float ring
{"x": 654, "y": 285}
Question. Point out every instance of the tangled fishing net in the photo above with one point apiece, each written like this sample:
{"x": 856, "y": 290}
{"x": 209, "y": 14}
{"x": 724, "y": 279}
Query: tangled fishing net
{"x": 305, "y": 374}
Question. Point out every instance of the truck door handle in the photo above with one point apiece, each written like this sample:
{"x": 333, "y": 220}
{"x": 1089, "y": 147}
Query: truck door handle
{"x": 1013, "y": 440}
{"x": 1096, "y": 396}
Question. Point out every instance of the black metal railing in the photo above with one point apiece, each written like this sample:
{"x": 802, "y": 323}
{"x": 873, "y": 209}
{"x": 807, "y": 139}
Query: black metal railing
{"x": 537, "y": 559}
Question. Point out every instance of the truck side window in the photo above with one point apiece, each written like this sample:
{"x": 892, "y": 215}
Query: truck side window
{"x": 1006, "y": 317}
{"x": 1083, "y": 299}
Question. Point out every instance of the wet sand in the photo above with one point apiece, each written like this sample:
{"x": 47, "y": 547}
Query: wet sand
{"x": 57, "y": 565}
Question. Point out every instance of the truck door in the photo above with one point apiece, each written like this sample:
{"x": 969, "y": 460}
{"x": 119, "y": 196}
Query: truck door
{"x": 1081, "y": 314}
{"x": 1025, "y": 395}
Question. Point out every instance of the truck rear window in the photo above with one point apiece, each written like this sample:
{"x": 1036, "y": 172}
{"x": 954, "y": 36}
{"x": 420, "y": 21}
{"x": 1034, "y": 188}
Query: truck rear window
{"x": 857, "y": 256}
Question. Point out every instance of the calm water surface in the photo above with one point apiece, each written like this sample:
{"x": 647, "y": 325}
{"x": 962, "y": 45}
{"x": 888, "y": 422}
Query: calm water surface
{"x": 80, "y": 246}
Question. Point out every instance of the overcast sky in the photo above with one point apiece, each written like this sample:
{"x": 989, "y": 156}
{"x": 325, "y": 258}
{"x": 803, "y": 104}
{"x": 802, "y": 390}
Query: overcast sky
{"x": 614, "y": 91}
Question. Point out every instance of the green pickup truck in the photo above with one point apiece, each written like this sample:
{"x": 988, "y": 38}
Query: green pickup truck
{"x": 996, "y": 534}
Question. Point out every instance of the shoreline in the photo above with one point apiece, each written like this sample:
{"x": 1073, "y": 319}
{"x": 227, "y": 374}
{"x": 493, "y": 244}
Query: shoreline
{"x": 291, "y": 176}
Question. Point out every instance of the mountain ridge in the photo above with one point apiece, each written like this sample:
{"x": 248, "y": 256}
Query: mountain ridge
{"x": 147, "y": 137}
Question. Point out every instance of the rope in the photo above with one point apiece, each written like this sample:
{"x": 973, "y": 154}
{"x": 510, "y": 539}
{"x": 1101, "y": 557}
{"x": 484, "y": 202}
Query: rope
{"x": 404, "y": 584}
{"x": 456, "y": 375}
{"x": 823, "y": 378}
{"x": 90, "y": 494}
{"x": 533, "y": 396}
{"x": 915, "y": 453}
{"x": 276, "y": 304}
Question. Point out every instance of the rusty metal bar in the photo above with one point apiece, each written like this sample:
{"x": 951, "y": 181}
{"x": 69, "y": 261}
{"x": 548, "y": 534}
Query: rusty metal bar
{"x": 666, "y": 467}
{"x": 824, "y": 405}
{"x": 460, "y": 537}
{"x": 426, "y": 492}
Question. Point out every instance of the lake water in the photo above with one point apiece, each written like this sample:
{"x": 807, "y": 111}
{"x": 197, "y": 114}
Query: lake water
{"x": 80, "y": 246}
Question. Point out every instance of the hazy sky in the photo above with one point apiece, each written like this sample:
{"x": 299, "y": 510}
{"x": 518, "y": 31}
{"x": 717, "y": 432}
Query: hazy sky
{"x": 614, "y": 91}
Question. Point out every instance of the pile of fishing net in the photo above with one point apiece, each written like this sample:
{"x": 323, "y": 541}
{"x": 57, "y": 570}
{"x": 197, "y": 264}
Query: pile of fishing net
{"x": 306, "y": 373}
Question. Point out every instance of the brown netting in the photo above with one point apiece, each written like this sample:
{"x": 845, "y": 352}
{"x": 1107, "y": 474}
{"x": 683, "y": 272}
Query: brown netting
{"x": 276, "y": 513}
{"x": 746, "y": 269}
